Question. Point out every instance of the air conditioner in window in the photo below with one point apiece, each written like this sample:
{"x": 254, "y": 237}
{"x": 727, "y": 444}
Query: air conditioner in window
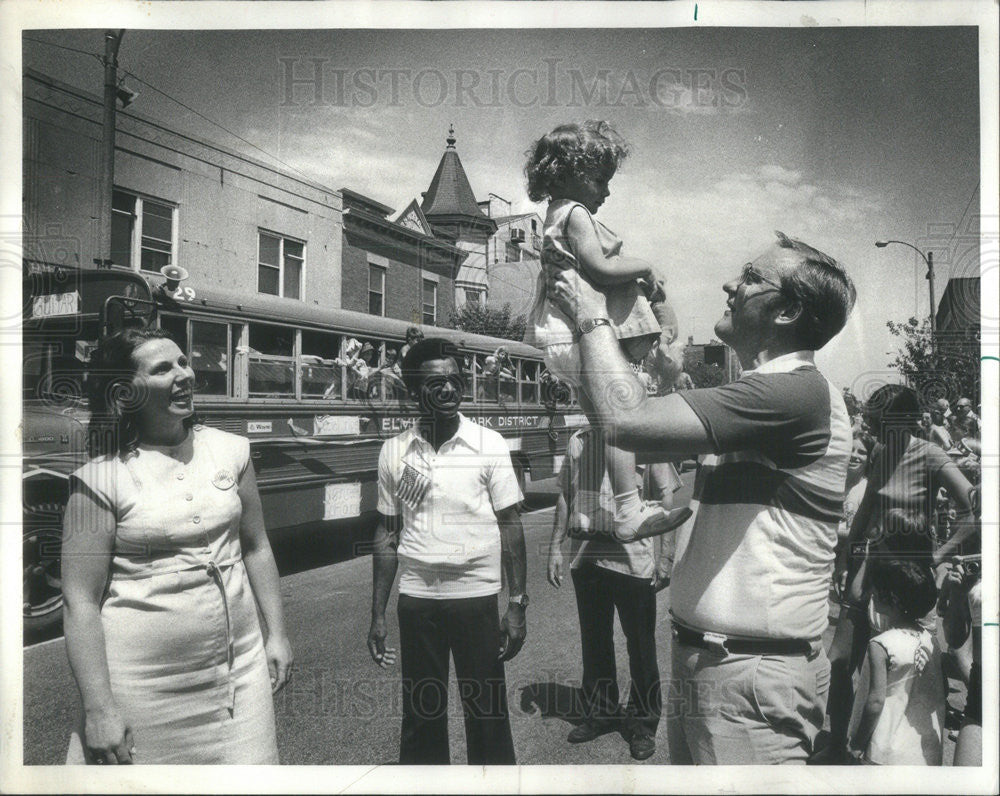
{"x": 517, "y": 235}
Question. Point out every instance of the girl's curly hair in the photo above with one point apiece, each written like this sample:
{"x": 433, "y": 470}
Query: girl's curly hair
{"x": 591, "y": 147}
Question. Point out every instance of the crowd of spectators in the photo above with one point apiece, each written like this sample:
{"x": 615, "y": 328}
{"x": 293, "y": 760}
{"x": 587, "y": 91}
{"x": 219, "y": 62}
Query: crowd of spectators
{"x": 907, "y": 583}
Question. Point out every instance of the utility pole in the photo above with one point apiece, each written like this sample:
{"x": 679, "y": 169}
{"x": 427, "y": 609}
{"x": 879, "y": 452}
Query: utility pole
{"x": 930, "y": 285}
{"x": 112, "y": 41}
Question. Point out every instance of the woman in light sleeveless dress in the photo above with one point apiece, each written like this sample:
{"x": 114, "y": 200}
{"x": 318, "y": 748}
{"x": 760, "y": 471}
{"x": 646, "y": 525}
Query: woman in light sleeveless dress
{"x": 165, "y": 564}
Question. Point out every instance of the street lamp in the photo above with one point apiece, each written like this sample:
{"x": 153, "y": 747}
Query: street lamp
{"x": 929, "y": 259}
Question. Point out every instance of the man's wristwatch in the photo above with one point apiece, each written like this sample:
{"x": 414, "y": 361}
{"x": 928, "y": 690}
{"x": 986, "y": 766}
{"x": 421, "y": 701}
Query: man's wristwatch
{"x": 589, "y": 324}
{"x": 518, "y": 599}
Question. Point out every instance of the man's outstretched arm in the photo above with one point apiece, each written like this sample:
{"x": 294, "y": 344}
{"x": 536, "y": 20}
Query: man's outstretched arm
{"x": 666, "y": 425}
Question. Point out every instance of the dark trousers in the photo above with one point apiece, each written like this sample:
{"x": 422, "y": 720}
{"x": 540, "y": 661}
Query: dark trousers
{"x": 469, "y": 629}
{"x": 599, "y": 593}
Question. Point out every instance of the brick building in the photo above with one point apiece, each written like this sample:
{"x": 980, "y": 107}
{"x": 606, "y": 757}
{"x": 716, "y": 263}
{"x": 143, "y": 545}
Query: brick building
{"x": 712, "y": 353}
{"x": 226, "y": 218}
{"x": 397, "y": 268}
{"x": 514, "y": 256}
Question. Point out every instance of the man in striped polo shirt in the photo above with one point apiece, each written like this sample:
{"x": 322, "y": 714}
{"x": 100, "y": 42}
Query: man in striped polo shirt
{"x": 752, "y": 569}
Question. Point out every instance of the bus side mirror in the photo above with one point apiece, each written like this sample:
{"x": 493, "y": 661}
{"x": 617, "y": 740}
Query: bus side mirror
{"x": 121, "y": 313}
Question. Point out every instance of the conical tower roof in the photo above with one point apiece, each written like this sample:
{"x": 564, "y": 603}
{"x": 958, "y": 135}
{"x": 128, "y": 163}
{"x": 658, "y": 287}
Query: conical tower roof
{"x": 450, "y": 193}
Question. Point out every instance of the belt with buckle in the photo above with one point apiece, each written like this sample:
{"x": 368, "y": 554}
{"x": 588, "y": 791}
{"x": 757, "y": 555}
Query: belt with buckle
{"x": 717, "y": 642}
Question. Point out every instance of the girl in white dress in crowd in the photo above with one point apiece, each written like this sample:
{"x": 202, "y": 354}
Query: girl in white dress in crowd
{"x": 571, "y": 167}
{"x": 898, "y": 716}
{"x": 165, "y": 565}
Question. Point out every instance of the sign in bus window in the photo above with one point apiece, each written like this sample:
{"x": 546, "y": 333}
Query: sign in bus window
{"x": 321, "y": 375}
{"x": 210, "y": 357}
{"x": 272, "y": 366}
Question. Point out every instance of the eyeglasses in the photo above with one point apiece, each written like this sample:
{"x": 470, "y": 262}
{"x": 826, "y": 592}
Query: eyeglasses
{"x": 963, "y": 406}
{"x": 751, "y": 276}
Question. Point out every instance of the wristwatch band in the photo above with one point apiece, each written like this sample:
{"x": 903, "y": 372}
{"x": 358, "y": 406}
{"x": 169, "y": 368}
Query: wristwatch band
{"x": 518, "y": 599}
{"x": 589, "y": 324}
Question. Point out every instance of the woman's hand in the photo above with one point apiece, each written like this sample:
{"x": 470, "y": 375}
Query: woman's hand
{"x": 279, "y": 661}
{"x": 107, "y": 738}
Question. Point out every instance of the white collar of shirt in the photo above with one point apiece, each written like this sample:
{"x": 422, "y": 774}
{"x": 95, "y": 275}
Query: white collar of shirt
{"x": 786, "y": 362}
{"x": 467, "y": 433}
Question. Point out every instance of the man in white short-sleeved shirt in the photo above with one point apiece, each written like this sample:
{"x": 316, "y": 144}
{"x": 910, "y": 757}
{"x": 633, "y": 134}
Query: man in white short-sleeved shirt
{"x": 448, "y": 520}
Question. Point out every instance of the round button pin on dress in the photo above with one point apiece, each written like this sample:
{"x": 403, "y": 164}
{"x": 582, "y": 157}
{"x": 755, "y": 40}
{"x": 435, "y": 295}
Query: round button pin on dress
{"x": 223, "y": 479}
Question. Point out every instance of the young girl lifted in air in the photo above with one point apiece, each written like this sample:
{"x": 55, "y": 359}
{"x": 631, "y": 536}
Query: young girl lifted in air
{"x": 571, "y": 167}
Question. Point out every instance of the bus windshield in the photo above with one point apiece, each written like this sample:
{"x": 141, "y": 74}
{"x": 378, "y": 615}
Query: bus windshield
{"x": 54, "y": 365}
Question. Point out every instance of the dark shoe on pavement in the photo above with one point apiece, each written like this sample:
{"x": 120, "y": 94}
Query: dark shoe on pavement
{"x": 591, "y": 729}
{"x": 642, "y": 744}
{"x": 830, "y": 755}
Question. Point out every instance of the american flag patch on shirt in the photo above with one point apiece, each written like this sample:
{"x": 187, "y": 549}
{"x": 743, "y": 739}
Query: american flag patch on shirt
{"x": 412, "y": 486}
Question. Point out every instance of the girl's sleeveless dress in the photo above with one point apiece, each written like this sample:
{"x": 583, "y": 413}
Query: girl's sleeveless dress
{"x": 185, "y": 651}
{"x": 911, "y": 726}
{"x": 551, "y": 330}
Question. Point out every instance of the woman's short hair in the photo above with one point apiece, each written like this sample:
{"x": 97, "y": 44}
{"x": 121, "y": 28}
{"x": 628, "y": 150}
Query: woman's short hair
{"x": 588, "y": 148}
{"x": 114, "y": 400}
{"x": 908, "y": 583}
{"x": 822, "y": 288}
{"x": 427, "y": 350}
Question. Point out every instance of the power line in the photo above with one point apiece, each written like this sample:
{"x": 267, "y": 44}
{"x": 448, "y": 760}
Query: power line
{"x": 174, "y": 99}
{"x": 962, "y": 217}
{"x": 215, "y": 123}
{"x": 64, "y": 47}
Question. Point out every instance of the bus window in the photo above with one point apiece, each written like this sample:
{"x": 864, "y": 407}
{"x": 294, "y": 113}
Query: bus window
{"x": 359, "y": 359}
{"x": 468, "y": 375}
{"x": 210, "y": 357}
{"x": 529, "y": 382}
{"x": 388, "y": 383}
{"x": 507, "y": 376}
{"x": 176, "y": 327}
{"x": 486, "y": 380}
{"x": 272, "y": 364}
{"x": 321, "y": 375}
{"x": 53, "y": 373}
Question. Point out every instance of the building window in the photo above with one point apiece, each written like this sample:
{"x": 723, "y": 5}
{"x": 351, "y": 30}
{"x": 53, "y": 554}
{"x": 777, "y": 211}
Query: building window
{"x": 513, "y": 253}
{"x": 280, "y": 263}
{"x": 473, "y": 296}
{"x": 430, "y": 299}
{"x": 376, "y": 290}
{"x": 142, "y": 231}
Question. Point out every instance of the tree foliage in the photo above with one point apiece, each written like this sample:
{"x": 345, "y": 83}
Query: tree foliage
{"x": 854, "y": 403}
{"x": 946, "y": 366}
{"x": 702, "y": 374}
{"x": 483, "y": 319}
{"x": 705, "y": 375}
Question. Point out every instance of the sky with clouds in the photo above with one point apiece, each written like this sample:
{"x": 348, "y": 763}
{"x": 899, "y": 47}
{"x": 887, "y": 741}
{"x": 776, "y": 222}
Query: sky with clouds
{"x": 838, "y": 137}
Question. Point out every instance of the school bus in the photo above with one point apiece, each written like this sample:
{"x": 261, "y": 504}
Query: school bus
{"x": 316, "y": 391}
